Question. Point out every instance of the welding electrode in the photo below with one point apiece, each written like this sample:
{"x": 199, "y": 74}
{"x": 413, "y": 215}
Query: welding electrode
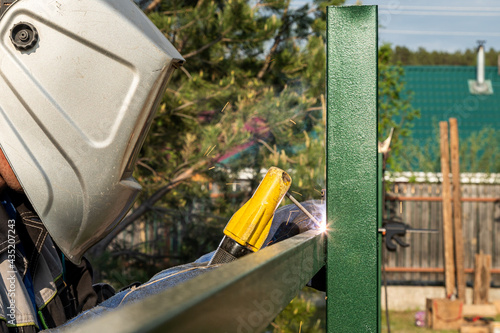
{"x": 247, "y": 230}
{"x": 304, "y": 210}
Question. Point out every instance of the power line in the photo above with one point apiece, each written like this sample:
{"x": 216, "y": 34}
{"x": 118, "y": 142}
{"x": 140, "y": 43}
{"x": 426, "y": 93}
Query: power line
{"x": 437, "y": 13}
{"x": 441, "y": 33}
{"x": 456, "y": 9}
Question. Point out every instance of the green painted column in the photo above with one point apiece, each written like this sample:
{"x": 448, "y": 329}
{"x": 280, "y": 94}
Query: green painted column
{"x": 353, "y": 282}
{"x": 380, "y": 216}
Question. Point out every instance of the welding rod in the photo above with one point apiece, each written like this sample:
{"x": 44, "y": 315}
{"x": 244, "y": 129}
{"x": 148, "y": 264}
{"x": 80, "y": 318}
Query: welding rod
{"x": 303, "y": 209}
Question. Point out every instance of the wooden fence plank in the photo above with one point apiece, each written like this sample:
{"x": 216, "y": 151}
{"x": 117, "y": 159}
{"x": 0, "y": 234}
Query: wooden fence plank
{"x": 482, "y": 278}
{"x": 436, "y": 239}
{"x": 485, "y": 226}
{"x": 495, "y": 234}
{"x": 410, "y": 237}
{"x": 457, "y": 210}
{"x": 468, "y": 228}
{"x": 424, "y": 238}
{"x": 449, "y": 256}
{"x": 426, "y": 249}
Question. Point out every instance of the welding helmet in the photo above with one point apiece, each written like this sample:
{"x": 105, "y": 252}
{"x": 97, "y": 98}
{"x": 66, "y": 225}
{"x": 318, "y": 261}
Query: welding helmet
{"x": 79, "y": 81}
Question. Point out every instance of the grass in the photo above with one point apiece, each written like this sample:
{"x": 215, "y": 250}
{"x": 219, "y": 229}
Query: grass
{"x": 404, "y": 322}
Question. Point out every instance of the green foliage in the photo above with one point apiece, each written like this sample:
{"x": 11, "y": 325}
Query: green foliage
{"x": 405, "y": 57}
{"x": 395, "y": 110}
{"x": 251, "y": 88}
{"x": 252, "y": 85}
{"x": 301, "y": 315}
{"x": 123, "y": 270}
{"x": 480, "y": 152}
{"x": 262, "y": 63}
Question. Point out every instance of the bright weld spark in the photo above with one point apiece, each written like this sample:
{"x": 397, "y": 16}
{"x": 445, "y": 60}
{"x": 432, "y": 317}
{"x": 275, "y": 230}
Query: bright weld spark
{"x": 297, "y": 193}
{"x": 323, "y": 226}
{"x": 211, "y": 150}
{"x": 225, "y": 106}
{"x": 211, "y": 168}
{"x": 293, "y": 122}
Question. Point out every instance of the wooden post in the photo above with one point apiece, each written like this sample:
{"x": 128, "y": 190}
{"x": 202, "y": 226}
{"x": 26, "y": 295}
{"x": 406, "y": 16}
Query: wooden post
{"x": 447, "y": 221}
{"x": 482, "y": 278}
{"x": 457, "y": 209}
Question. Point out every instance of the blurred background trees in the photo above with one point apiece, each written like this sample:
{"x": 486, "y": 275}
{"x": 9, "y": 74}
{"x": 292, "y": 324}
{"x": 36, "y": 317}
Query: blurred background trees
{"x": 250, "y": 96}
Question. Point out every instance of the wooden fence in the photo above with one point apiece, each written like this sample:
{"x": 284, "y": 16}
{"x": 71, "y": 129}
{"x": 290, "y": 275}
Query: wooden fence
{"x": 480, "y": 221}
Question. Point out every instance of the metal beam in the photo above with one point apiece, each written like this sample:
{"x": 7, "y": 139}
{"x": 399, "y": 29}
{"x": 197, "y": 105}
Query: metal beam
{"x": 353, "y": 247}
{"x": 242, "y": 296}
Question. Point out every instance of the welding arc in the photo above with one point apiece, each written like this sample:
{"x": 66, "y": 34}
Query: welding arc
{"x": 303, "y": 209}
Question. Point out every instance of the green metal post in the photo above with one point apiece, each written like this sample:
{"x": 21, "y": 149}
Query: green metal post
{"x": 380, "y": 216}
{"x": 353, "y": 249}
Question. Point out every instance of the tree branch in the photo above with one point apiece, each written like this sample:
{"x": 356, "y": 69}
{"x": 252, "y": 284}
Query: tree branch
{"x": 274, "y": 151}
{"x": 146, "y": 206}
{"x": 152, "y": 6}
{"x": 206, "y": 46}
{"x": 276, "y": 43}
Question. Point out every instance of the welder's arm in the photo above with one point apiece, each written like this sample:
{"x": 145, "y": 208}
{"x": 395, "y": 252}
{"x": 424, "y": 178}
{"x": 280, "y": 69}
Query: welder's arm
{"x": 289, "y": 221}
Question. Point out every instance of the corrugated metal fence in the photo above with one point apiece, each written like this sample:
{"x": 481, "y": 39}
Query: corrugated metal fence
{"x": 481, "y": 227}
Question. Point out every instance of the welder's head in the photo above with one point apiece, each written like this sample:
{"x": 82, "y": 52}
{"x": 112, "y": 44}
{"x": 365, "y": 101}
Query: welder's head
{"x": 80, "y": 82}
{"x": 7, "y": 176}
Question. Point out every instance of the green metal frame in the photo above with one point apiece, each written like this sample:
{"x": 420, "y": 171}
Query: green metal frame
{"x": 380, "y": 216}
{"x": 353, "y": 260}
{"x": 242, "y": 296}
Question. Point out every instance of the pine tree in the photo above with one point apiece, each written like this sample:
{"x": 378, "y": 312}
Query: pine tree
{"x": 253, "y": 84}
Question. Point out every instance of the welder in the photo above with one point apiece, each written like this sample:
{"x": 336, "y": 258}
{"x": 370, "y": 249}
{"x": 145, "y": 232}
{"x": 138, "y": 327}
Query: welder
{"x": 79, "y": 81}
{"x": 78, "y": 96}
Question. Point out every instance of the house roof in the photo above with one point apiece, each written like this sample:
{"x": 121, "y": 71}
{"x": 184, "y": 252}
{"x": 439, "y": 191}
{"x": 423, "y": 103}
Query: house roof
{"x": 441, "y": 92}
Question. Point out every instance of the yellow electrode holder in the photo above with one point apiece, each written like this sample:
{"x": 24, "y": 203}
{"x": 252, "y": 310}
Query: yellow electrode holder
{"x": 250, "y": 225}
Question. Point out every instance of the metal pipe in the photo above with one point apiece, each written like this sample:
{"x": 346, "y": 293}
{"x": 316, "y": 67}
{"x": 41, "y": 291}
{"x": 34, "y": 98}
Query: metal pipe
{"x": 480, "y": 65}
{"x": 304, "y": 210}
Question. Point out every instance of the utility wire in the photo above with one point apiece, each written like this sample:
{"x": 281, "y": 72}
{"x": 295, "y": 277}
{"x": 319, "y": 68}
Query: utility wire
{"x": 454, "y": 9}
{"x": 438, "y": 13}
{"x": 440, "y": 33}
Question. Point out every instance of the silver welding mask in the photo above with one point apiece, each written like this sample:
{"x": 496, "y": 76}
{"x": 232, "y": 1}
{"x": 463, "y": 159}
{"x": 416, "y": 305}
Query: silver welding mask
{"x": 79, "y": 83}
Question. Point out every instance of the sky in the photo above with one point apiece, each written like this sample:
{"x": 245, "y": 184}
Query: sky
{"x": 442, "y": 25}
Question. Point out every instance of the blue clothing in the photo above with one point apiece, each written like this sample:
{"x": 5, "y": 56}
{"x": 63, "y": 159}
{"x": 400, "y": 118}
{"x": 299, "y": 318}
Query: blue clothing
{"x": 287, "y": 222}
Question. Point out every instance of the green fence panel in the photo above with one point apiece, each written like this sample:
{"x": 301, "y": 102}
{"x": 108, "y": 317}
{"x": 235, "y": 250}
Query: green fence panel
{"x": 353, "y": 280}
{"x": 242, "y": 296}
